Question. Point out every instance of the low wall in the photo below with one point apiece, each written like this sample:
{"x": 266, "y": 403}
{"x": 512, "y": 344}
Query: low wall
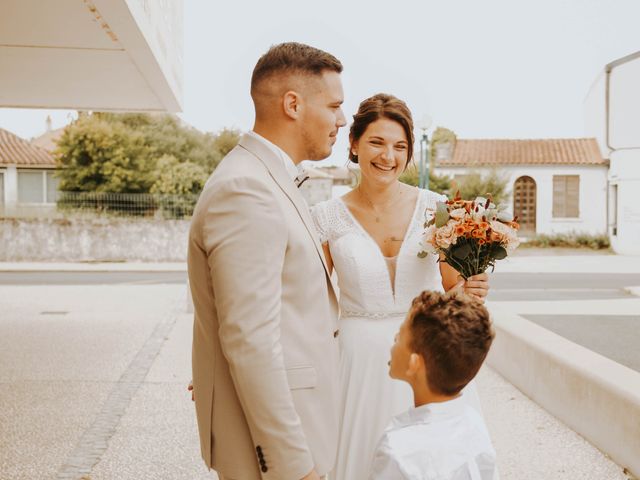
{"x": 93, "y": 239}
{"x": 595, "y": 396}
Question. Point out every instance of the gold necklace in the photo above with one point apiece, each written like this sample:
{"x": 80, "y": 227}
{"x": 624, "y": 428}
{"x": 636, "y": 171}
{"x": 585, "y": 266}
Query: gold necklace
{"x": 373, "y": 208}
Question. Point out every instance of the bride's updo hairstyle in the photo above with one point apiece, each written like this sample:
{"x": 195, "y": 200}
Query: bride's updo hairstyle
{"x": 380, "y": 106}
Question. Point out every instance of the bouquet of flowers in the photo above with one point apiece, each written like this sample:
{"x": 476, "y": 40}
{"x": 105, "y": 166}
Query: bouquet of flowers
{"x": 470, "y": 235}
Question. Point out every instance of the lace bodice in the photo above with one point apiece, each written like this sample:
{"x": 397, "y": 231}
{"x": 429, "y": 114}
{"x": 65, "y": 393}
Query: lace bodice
{"x": 363, "y": 275}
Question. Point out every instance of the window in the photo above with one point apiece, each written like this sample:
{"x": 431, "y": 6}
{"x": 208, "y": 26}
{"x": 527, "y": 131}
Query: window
{"x": 37, "y": 186}
{"x": 1, "y": 188}
{"x": 566, "y": 196}
{"x": 52, "y": 186}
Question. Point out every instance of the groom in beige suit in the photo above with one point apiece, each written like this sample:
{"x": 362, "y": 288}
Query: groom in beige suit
{"x": 265, "y": 350}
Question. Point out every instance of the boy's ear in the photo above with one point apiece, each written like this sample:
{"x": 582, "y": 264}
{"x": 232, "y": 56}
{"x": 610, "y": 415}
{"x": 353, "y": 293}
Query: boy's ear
{"x": 416, "y": 365}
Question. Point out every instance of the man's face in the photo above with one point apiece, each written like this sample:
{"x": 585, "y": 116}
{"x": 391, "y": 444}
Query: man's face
{"x": 322, "y": 115}
{"x": 401, "y": 352}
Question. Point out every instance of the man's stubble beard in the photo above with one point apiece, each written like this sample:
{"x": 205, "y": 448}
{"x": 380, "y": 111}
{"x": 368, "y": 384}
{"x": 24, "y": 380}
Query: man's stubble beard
{"x": 313, "y": 150}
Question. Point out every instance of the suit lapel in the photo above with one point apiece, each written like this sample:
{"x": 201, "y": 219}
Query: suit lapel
{"x": 279, "y": 173}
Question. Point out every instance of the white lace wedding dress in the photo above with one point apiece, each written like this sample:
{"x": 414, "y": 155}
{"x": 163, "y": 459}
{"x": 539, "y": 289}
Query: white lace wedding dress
{"x": 375, "y": 295}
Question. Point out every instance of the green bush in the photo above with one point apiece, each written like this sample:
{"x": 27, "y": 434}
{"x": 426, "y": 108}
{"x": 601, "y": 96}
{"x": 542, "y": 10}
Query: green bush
{"x": 569, "y": 240}
{"x": 437, "y": 183}
{"x": 476, "y": 184}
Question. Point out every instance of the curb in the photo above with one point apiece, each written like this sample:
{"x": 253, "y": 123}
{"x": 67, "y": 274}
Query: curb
{"x": 92, "y": 267}
{"x": 595, "y": 396}
{"x": 632, "y": 290}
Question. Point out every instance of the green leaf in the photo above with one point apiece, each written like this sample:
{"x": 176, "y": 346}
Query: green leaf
{"x": 499, "y": 252}
{"x": 442, "y": 215}
{"x": 460, "y": 252}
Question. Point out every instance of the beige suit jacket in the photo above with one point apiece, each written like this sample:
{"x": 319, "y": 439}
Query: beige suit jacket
{"x": 265, "y": 350}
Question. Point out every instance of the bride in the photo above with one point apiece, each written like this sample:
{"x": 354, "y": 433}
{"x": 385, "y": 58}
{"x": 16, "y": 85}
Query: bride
{"x": 371, "y": 237}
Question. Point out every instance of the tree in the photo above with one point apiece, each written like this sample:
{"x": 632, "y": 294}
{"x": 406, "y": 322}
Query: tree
{"x": 440, "y": 136}
{"x": 175, "y": 178}
{"x": 121, "y": 153}
{"x": 101, "y": 156}
{"x": 475, "y": 185}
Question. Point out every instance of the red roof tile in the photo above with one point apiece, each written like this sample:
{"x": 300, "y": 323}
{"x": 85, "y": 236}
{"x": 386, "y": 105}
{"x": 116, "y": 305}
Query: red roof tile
{"x": 565, "y": 151}
{"x": 17, "y": 151}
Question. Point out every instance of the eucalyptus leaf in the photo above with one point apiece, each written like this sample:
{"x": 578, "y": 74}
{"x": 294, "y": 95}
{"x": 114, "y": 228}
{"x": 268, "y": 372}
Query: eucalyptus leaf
{"x": 505, "y": 216}
{"x": 442, "y": 215}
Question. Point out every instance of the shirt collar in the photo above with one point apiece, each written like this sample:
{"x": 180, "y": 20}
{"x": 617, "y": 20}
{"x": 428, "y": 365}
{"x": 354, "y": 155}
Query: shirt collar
{"x": 292, "y": 169}
{"x": 430, "y": 412}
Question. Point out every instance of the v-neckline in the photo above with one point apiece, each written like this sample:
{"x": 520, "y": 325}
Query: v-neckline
{"x": 378, "y": 249}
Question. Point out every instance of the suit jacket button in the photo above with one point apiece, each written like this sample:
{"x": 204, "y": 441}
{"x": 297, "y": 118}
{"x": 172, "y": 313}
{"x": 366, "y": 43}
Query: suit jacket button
{"x": 336, "y": 333}
{"x": 262, "y": 462}
{"x": 264, "y": 469}
{"x": 259, "y": 449}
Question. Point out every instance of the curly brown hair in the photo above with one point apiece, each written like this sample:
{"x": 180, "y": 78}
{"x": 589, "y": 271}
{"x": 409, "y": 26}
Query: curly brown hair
{"x": 453, "y": 333}
{"x": 381, "y": 105}
{"x": 293, "y": 58}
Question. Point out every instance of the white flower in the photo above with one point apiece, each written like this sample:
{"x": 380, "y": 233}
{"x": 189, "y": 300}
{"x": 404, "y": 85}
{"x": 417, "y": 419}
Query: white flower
{"x": 505, "y": 234}
{"x": 458, "y": 213}
{"x": 427, "y": 242}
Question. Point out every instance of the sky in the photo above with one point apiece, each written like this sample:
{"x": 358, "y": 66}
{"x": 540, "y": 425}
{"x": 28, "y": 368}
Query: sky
{"x": 485, "y": 69}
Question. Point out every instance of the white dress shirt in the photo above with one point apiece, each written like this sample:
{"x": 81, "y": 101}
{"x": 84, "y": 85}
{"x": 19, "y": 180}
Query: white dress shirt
{"x": 293, "y": 170}
{"x": 438, "y": 441}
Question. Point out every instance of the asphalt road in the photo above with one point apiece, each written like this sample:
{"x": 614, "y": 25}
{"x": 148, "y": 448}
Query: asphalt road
{"x": 613, "y": 336}
{"x": 504, "y": 286}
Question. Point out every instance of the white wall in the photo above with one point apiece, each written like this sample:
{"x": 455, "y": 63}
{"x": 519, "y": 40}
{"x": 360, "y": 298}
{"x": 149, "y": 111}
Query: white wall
{"x": 593, "y": 195}
{"x": 623, "y": 145}
{"x": 624, "y": 221}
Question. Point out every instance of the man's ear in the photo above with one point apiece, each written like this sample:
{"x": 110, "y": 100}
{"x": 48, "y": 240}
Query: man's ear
{"x": 291, "y": 102}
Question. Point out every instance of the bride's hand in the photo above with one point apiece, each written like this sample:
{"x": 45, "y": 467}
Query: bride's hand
{"x": 476, "y": 286}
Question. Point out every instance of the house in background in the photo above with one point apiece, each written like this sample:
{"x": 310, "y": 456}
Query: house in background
{"x": 49, "y": 139}
{"x": 612, "y": 115}
{"x": 556, "y": 185}
{"x": 27, "y": 181}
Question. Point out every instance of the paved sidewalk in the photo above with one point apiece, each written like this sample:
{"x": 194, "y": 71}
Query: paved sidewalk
{"x": 93, "y": 383}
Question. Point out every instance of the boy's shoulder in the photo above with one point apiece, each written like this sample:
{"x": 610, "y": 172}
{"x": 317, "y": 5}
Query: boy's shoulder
{"x": 437, "y": 443}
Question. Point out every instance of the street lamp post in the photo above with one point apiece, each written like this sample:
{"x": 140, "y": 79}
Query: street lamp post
{"x": 423, "y": 171}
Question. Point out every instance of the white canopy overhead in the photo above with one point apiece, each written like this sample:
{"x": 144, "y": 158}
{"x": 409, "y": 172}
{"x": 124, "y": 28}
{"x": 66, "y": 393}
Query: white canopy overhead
{"x": 91, "y": 54}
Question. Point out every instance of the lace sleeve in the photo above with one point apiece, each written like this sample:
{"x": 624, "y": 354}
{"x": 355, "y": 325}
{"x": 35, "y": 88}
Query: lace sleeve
{"x": 319, "y": 215}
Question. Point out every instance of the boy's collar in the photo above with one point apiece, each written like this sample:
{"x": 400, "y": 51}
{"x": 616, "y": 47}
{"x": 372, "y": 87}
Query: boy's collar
{"x": 426, "y": 413}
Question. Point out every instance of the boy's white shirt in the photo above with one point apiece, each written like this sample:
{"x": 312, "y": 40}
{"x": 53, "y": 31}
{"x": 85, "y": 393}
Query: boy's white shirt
{"x": 439, "y": 441}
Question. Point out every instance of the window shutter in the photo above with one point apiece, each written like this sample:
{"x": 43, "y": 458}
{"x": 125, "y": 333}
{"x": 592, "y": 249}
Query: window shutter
{"x": 566, "y": 196}
{"x": 573, "y": 196}
{"x": 558, "y": 196}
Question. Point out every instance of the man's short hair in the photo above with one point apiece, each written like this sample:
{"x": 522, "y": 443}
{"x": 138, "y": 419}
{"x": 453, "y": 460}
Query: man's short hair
{"x": 452, "y": 332}
{"x": 293, "y": 58}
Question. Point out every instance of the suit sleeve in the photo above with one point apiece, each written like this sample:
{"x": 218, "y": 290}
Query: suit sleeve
{"x": 245, "y": 238}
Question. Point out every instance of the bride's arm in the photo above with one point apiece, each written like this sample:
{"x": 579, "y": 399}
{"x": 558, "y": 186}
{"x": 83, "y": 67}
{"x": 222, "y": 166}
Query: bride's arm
{"x": 327, "y": 256}
{"x": 477, "y": 286}
{"x": 450, "y": 276}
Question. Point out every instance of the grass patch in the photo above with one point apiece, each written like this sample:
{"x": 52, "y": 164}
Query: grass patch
{"x": 569, "y": 240}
